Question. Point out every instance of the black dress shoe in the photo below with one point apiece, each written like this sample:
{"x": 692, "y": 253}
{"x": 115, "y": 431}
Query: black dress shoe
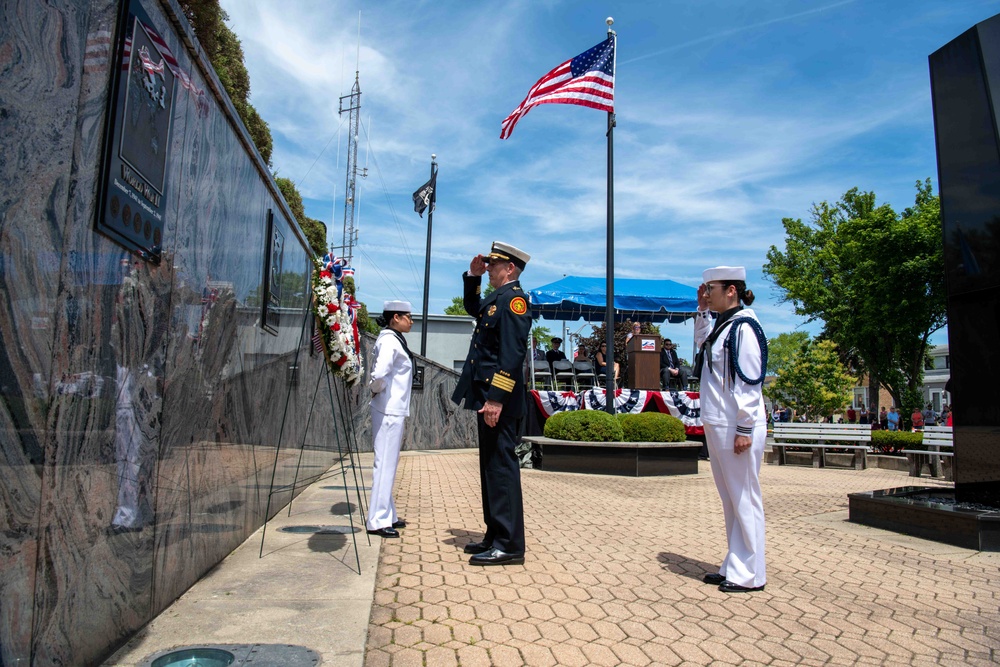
{"x": 400, "y": 523}
{"x": 713, "y": 578}
{"x": 385, "y": 532}
{"x": 477, "y": 547}
{"x": 730, "y": 587}
{"x": 496, "y": 557}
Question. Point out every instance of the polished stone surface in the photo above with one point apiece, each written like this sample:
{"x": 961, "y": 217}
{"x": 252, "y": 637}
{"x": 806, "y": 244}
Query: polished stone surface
{"x": 925, "y": 512}
{"x": 144, "y": 411}
{"x": 965, "y": 88}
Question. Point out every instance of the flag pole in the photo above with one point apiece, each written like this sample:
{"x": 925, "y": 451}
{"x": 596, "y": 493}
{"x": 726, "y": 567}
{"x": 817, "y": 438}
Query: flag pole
{"x": 609, "y": 316}
{"x": 427, "y": 260}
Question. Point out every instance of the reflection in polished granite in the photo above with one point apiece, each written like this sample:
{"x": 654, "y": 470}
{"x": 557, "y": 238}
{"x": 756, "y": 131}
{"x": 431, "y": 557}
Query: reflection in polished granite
{"x": 143, "y": 409}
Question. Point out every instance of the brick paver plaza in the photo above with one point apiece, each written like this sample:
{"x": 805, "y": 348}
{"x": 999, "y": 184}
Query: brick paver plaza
{"x": 613, "y": 576}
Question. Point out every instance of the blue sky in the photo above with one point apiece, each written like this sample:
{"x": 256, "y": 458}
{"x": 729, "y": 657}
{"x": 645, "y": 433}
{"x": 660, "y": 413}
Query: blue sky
{"x": 731, "y": 116}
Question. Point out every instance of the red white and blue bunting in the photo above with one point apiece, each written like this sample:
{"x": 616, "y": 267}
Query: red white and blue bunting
{"x": 685, "y": 405}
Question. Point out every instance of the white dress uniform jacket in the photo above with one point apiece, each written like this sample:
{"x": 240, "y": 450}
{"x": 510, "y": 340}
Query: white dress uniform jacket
{"x": 392, "y": 376}
{"x": 727, "y": 400}
{"x": 731, "y": 407}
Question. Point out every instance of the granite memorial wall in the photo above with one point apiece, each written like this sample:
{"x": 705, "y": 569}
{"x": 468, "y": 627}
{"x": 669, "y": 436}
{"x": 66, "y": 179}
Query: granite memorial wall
{"x": 154, "y": 333}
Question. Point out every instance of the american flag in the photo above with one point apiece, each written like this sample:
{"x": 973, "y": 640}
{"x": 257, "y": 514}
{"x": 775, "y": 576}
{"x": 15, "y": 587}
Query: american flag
{"x": 587, "y": 80}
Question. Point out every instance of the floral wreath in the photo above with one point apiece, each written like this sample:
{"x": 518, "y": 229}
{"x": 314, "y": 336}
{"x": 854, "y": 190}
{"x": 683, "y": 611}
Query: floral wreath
{"x": 336, "y": 313}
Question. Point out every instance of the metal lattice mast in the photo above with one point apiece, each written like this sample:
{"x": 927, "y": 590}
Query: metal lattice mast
{"x": 350, "y": 191}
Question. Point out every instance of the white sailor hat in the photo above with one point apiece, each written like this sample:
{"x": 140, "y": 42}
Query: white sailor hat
{"x": 397, "y": 307}
{"x": 508, "y": 253}
{"x": 724, "y": 273}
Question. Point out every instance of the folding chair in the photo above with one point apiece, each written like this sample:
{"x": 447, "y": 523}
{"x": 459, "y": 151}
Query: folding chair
{"x": 563, "y": 369}
{"x": 543, "y": 377}
{"x": 585, "y": 376}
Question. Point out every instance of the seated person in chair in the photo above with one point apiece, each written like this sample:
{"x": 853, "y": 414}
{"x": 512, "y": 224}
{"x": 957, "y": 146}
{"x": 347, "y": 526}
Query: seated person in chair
{"x": 554, "y": 353}
{"x": 670, "y": 366}
{"x": 601, "y": 361}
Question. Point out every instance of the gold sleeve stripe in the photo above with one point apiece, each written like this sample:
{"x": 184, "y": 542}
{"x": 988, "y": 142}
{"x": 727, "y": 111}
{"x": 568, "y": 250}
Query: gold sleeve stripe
{"x": 500, "y": 382}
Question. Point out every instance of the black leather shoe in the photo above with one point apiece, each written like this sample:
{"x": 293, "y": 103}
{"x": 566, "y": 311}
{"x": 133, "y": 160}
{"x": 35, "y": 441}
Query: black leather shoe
{"x": 713, "y": 578}
{"x": 476, "y": 547}
{"x": 730, "y": 587}
{"x": 385, "y": 532}
{"x": 496, "y": 557}
{"x": 401, "y": 523}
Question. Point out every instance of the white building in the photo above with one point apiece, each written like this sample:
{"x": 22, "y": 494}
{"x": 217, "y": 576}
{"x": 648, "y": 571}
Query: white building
{"x": 937, "y": 372}
{"x": 448, "y": 338}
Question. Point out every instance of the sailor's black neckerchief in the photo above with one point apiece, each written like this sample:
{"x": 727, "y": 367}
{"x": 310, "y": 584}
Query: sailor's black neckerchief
{"x": 712, "y": 337}
{"x": 402, "y": 341}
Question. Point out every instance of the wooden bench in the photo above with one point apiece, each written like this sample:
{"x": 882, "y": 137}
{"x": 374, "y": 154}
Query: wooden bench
{"x": 821, "y": 437}
{"x": 939, "y": 443}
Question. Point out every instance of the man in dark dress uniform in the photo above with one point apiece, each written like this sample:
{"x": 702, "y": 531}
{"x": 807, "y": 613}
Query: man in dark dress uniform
{"x": 492, "y": 384}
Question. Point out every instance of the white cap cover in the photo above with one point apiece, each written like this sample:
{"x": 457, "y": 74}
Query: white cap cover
{"x": 397, "y": 307}
{"x": 721, "y": 273}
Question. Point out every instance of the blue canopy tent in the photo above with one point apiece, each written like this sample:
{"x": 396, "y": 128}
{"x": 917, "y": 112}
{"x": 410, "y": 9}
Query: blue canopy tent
{"x": 576, "y": 297}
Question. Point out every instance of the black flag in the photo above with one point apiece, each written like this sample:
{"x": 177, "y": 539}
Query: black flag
{"x": 424, "y": 196}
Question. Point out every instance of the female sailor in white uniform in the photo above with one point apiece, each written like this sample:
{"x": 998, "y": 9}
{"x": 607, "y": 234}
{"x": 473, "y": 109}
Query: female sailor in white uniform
{"x": 731, "y": 361}
{"x": 392, "y": 377}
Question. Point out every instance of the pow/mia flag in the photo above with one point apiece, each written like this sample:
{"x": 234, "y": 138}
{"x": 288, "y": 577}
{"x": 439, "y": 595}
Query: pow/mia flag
{"x": 424, "y": 196}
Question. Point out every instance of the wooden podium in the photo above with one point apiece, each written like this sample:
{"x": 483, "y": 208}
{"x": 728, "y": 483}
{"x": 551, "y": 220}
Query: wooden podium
{"x": 643, "y": 362}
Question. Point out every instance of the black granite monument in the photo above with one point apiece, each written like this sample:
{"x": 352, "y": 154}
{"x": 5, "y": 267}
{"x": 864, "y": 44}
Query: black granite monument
{"x": 965, "y": 90}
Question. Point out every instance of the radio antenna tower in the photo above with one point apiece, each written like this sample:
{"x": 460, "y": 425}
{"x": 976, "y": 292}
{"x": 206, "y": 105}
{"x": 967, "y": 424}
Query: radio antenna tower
{"x": 350, "y": 191}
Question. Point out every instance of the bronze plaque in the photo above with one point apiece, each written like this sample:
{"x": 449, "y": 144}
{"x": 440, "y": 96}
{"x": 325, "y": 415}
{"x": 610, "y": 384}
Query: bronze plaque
{"x": 137, "y": 135}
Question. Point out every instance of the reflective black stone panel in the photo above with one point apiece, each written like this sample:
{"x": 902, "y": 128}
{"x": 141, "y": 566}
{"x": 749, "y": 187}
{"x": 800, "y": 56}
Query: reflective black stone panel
{"x": 931, "y": 513}
{"x": 965, "y": 83}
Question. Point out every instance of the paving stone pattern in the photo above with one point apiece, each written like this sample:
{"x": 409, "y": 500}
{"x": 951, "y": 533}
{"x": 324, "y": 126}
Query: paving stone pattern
{"x": 614, "y": 567}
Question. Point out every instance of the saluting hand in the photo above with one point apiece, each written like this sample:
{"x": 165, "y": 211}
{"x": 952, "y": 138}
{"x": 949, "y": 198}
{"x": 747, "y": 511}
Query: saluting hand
{"x": 702, "y": 298}
{"x": 478, "y": 266}
{"x": 491, "y": 412}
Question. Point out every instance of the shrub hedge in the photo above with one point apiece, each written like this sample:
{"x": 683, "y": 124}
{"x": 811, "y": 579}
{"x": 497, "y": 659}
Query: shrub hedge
{"x": 584, "y": 426}
{"x": 652, "y": 427}
{"x": 891, "y": 442}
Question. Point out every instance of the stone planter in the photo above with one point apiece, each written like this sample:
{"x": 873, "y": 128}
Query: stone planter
{"x": 632, "y": 459}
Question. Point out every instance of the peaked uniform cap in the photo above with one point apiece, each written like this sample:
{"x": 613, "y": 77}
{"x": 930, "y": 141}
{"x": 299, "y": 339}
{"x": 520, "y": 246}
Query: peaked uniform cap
{"x": 722, "y": 273}
{"x": 508, "y": 253}
{"x": 397, "y": 307}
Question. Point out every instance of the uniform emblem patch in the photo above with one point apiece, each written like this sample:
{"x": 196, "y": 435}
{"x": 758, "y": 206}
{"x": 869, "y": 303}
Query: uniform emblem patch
{"x": 491, "y": 311}
{"x": 518, "y": 305}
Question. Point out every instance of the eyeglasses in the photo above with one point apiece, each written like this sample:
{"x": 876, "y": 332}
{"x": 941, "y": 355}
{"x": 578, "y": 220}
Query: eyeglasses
{"x": 710, "y": 286}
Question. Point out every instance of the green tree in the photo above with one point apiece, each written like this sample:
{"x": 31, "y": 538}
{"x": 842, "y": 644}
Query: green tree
{"x": 457, "y": 307}
{"x": 225, "y": 52}
{"x": 315, "y": 230}
{"x": 875, "y": 279}
{"x": 813, "y": 381}
{"x": 622, "y": 330}
{"x": 543, "y": 336}
{"x": 783, "y": 349}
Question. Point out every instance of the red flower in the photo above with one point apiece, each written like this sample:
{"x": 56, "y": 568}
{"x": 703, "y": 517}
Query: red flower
{"x": 325, "y": 274}
{"x": 332, "y": 307}
{"x": 335, "y": 327}
{"x": 341, "y": 361}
